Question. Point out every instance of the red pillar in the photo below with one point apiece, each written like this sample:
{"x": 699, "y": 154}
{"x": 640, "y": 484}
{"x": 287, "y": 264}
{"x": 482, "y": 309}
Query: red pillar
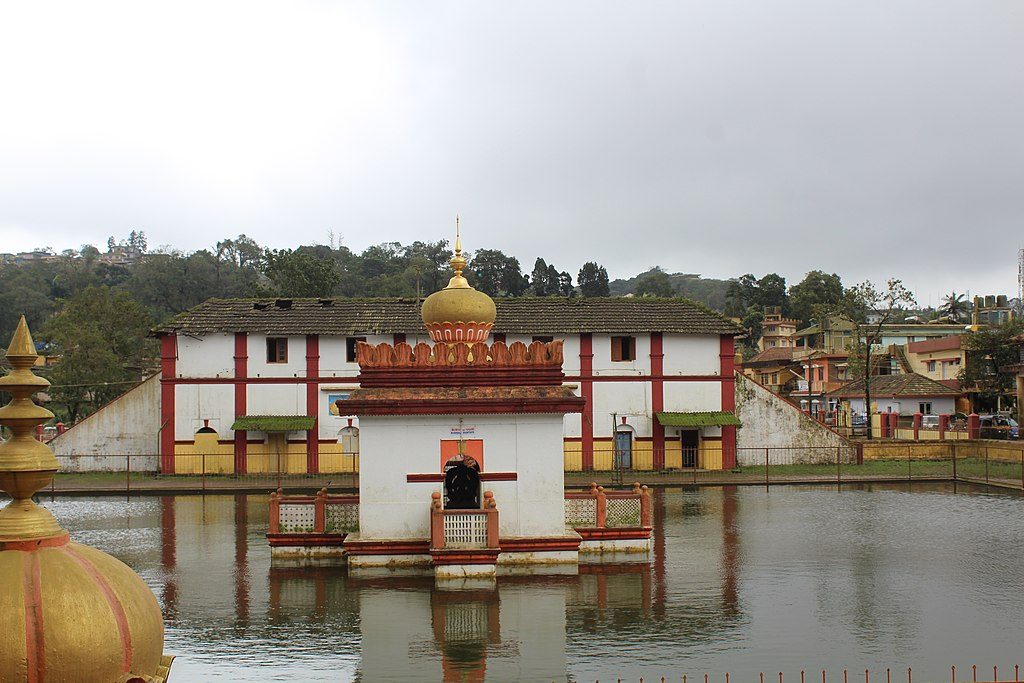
{"x": 168, "y": 371}
{"x": 973, "y": 426}
{"x": 657, "y": 398}
{"x": 727, "y": 357}
{"x": 241, "y": 374}
{"x": 313, "y": 402}
{"x": 587, "y": 392}
{"x": 943, "y": 426}
{"x": 917, "y": 426}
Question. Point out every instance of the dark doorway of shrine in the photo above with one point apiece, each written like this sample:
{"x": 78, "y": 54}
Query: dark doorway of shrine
{"x": 461, "y": 485}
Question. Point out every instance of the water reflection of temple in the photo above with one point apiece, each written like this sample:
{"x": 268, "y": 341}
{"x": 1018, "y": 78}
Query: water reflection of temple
{"x": 215, "y": 576}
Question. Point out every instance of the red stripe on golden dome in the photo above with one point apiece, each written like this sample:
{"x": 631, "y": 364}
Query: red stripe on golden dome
{"x": 34, "y": 642}
{"x": 120, "y": 618}
{"x": 36, "y": 544}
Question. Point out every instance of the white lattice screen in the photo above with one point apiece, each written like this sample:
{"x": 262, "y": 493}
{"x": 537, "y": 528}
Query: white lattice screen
{"x": 465, "y": 530}
{"x": 581, "y": 512}
{"x": 297, "y": 518}
{"x": 341, "y": 518}
{"x": 623, "y": 512}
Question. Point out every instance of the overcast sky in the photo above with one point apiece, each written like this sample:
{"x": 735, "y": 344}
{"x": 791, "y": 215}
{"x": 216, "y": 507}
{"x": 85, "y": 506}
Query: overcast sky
{"x": 867, "y": 138}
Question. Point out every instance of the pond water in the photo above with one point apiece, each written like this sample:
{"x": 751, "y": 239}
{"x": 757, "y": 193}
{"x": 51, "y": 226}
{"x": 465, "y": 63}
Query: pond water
{"x": 743, "y": 580}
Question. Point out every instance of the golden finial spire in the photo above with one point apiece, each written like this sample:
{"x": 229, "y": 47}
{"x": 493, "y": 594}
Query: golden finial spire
{"x": 26, "y": 465}
{"x": 458, "y": 263}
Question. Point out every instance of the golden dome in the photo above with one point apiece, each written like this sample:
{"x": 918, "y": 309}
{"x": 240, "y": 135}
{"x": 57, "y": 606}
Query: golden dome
{"x": 68, "y": 612}
{"x": 458, "y": 313}
{"x": 73, "y": 613}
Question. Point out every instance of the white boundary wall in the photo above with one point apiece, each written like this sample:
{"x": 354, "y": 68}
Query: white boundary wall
{"x": 128, "y": 425}
{"x": 769, "y": 421}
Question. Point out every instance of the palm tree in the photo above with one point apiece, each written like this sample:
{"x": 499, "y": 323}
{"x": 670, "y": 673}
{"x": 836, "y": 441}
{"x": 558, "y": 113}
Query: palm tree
{"x": 955, "y": 306}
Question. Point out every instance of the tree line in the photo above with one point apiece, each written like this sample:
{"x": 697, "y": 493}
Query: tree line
{"x": 94, "y": 312}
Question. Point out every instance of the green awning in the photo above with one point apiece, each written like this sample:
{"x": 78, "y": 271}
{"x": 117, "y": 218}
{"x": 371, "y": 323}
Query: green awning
{"x": 274, "y": 423}
{"x": 715, "y": 418}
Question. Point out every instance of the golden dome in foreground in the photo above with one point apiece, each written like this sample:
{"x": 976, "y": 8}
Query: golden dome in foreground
{"x": 458, "y": 313}
{"x": 73, "y": 613}
{"x": 68, "y": 612}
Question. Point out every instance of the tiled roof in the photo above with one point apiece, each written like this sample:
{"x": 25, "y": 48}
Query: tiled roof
{"x": 773, "y": 354}
{"x": 885, "y": 386}
{"x": 521, "y": 315}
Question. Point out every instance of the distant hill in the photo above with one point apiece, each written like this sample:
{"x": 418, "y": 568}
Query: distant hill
{"x": 708, "y": 291}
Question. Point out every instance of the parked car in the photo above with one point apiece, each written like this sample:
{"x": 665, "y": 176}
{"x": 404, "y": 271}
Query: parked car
{"x": 999, "y": 427}
{"x": 929, "y": 422}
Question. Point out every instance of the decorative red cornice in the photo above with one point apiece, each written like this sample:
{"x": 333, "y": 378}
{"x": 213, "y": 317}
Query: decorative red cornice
{"x": 468, "y": 364}
{"x": 461, "y": 377}
{"x": 464, "y": 407}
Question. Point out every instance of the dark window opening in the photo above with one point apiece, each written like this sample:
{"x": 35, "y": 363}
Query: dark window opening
{"x": 543, "y": 338}
{"x": 350, "y": 348}
{"x": 277, "y": 349}
{"x": 623, "y": 348}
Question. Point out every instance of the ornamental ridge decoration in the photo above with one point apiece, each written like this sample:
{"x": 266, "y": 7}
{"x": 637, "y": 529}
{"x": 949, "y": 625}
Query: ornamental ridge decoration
{"x": 464, "y": 355}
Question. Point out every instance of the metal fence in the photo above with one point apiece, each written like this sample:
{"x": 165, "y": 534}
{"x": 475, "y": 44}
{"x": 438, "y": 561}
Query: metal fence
{"x": 889, "y": 676}
{"x": 204, "y": 471}
{"x": 972, "y": 675}
{"x": 993, "y": 463}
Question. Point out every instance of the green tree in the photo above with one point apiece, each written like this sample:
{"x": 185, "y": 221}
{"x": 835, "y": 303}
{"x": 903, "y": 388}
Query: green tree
{"x": 817, "y": 290}
{"x": 868, "y": 308}
{"x": 747, "y": 290}
{"x": 540, "y": 281}
{"x": 990, "y": 352}
{"x": 100, "y": 337}
{"x": 496, "y": 274}
{"x": 593, "y": 280}
{"x": 655, "y": 283}
{"x": 565, "y": 287}
{"x": 954, "y": 306}
{"x": 295, "y": 274}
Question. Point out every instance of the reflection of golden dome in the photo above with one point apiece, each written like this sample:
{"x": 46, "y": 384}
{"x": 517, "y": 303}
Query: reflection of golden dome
{"x": 67, "y": 612}
{"x": 458, "y": 313}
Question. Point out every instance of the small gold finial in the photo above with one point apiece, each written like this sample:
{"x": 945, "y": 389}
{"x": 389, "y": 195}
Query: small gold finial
{"x": 458, "y": 263}
{"x": 26, "y": 465}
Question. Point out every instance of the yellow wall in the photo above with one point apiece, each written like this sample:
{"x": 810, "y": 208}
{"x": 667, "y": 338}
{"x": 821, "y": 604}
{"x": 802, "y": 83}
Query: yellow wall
{"x": 334, "y": 459}
{"x": 206, "y": 452}
{"x": 709, "y": 457}
{"x": 643, "y": 455}
{"x": 604, "y": 456}
{"x": 673, "y": 455}
{"x": 572, "y": 452}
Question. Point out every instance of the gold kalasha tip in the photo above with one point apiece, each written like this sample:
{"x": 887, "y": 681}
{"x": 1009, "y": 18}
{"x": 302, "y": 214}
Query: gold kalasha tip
{"x": 26, "y": 465}
{"x": 458, "y": 263}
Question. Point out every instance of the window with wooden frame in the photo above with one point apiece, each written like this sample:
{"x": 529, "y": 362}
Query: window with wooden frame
{"x": 350, "y": 348}
{"x": 277, "y": 349}
{"x": 623, "y": 349}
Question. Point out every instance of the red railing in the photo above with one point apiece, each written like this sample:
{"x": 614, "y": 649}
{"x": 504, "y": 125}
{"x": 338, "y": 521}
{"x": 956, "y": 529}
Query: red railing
{"x": 468, "y": 529}
{"x": 590, "y": 509}
{"x": 347, "y": 506}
